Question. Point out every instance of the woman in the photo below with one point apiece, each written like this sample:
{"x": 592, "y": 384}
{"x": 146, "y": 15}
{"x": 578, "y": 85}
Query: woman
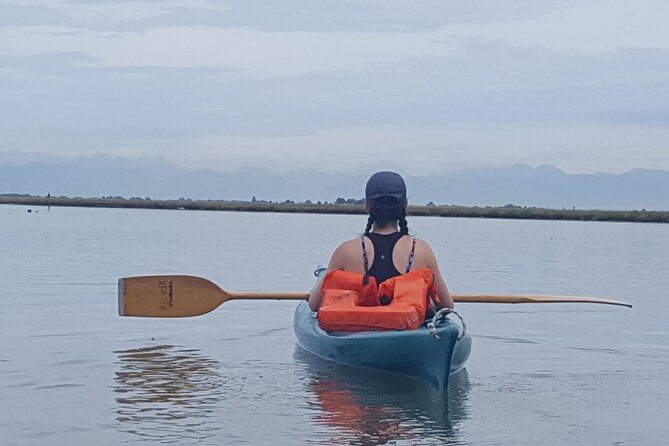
{"x": 386, "y": 249}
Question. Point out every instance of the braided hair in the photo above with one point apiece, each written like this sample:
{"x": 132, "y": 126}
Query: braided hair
{"x": 385, "y": 210}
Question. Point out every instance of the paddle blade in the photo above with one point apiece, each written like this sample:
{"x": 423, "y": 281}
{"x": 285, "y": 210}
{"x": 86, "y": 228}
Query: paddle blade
{"x": 168, "y": 296}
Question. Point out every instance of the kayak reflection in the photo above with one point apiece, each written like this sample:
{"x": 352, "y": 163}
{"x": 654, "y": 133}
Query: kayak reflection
{"x": 166, "y": 394}
{"x": 368, "y": 407}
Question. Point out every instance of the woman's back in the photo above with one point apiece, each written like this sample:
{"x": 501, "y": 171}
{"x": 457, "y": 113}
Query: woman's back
{"x": 387, "y": 233}
{"x": 349, "y": 255}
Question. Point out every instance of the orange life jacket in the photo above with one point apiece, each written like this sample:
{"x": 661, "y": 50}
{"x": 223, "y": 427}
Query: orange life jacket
{"x": 350, "y": 305}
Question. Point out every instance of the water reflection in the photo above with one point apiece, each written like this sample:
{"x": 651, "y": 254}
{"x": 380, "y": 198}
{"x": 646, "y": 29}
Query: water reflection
{"x": 371, "y": 408}
{"x": 166, "y": 394}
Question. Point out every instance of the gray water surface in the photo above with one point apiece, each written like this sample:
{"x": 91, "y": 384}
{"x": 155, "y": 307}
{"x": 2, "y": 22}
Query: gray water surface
{"x": 73, "y": 372}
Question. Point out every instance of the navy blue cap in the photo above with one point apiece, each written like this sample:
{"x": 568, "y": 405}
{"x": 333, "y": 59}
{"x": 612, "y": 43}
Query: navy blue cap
{"x": 385, "y": 184}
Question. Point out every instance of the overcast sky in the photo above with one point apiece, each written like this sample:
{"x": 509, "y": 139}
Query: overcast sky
{"x": 422, "y": 86}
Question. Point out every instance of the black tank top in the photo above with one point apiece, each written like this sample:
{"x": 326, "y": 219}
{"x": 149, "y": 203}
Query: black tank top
{"x": 383, "y": 267}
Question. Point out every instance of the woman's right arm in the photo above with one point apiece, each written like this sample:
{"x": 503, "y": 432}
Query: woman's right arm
{"x": 316, "y": 295}
{"x": 336, "y": 262}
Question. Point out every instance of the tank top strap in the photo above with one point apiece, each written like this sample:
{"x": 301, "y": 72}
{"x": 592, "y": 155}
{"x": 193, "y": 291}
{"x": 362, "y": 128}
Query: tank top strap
{"x": 411, "y": 255}
{"x": 365, "y": 258}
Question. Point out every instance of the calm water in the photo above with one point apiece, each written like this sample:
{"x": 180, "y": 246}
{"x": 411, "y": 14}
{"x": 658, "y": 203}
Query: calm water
{"x": 73, "y": 372}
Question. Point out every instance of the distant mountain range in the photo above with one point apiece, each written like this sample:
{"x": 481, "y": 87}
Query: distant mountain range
{"x": 522, "y": 185}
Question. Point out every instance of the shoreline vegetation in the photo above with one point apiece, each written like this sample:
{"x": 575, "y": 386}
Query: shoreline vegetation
{"x": 342, "y": 206}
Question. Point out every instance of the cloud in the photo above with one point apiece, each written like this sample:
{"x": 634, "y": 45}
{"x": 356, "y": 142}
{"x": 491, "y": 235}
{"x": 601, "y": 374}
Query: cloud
{"x": 254, "y": 53}
{"x": 593, "y": 27}
{"x": 272, "y": 15}
{"x": 435, "y": 84}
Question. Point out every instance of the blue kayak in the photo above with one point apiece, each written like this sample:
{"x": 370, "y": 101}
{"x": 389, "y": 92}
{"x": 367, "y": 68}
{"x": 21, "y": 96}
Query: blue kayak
{"x": 431, "y": 355}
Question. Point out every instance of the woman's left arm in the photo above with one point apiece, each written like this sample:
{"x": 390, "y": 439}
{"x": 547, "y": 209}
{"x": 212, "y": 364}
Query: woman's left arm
{"x": 445, "y": 298}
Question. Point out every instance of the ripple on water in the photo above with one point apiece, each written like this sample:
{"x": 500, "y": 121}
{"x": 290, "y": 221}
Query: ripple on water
{"x": 167, "y": 395}
{"x": 506, "y": 339}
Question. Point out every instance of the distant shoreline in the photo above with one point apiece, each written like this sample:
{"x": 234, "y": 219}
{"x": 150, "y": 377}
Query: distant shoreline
{"x": 506, "y": 212}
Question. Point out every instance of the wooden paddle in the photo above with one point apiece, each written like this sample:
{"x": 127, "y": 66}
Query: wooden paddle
{"x": 184, "y": 296}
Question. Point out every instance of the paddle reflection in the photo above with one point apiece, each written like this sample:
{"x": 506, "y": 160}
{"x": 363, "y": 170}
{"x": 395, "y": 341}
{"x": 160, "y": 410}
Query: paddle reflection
{"x": 374, "y": 408}
{"x": 166, "y": 394}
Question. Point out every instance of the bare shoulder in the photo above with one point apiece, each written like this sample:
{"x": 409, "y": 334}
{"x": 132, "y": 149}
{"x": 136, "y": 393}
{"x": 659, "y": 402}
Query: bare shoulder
{"x": 348, "y": 246}
{"x": 424, "y": 247}
{"x": 345, "y": 253}
{"x": 425, "y": 257}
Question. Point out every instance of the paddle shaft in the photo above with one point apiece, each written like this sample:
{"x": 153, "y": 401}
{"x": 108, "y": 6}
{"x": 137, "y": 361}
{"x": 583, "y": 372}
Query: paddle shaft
{"x": 466, "y": 298}
{"x": 268, "y": 296}
{"x": 529, "y": 299}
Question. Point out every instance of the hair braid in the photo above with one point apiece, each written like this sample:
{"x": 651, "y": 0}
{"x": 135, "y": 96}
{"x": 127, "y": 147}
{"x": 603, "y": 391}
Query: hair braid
{"x": 404, "y": 228}
{"x": 370, "y": 221}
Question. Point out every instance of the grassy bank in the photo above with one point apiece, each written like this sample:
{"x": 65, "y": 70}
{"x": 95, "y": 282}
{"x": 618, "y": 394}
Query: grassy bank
{"x": 515, "y": 212}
